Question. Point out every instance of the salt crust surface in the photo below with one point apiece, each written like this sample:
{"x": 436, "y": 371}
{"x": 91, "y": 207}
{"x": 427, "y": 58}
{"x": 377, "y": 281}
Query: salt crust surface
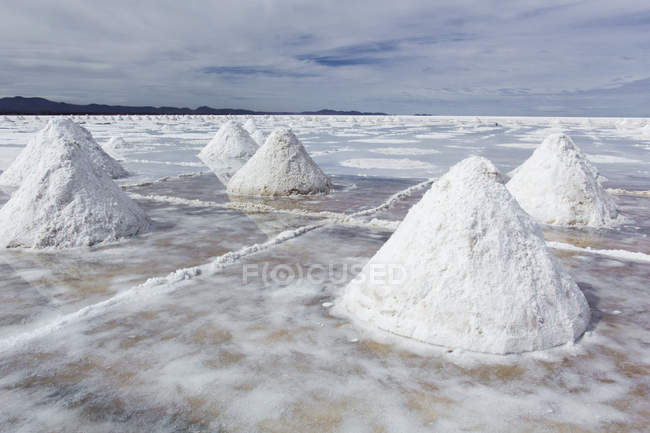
{"x": 404, "y": 151}
{"x": 385, "y": 163}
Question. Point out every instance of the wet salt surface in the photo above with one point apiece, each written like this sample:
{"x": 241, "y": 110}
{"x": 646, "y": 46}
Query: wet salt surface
{"x": 213, "y": 352}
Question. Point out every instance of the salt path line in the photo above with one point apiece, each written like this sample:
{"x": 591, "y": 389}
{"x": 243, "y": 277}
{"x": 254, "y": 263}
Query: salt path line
{"x": 392, "y": 200}
{"x": 351, "y": 219}
{"x": 618, "y": 254}
{"x": 620, "y": 191}
{"x": 179, "y": 163}
{"x": 332, "y": 217}
{"x": 163, "y": 179}
{"x": 398, "y": 196}
{"x": 155, "y": 285}
{"x": 248, "y": 207}
{"x": 260, "y": 208}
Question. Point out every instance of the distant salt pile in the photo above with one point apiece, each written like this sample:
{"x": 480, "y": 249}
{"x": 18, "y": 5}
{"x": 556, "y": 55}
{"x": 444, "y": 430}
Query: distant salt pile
{"x": 229, "y": 150}
{"x": 64, "y": 201}
{"x": 646, "y": 130}
{"x": 558, "y": 185}
{"x": 250, "y": 126}
{"x": 60, "y": 130}
{"x": 259, "y": 137}
{"x": 281, "y": 166}
{"x": 116, "y": 147}
{"x": 471, "y": 271}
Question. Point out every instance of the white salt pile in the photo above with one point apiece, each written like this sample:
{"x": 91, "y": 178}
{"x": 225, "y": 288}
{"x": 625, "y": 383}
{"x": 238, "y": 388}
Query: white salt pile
{"x": 255, "y": 133}
{"x": 258, "y": 136}
{"x": 281, "y": 166}
{"x": 558, "y": 185}
{"x": 64, "y": 200}
{"x": 250, "y": 126}
{"x": 116, "y": 147}
{"x": 227, "y": 152}
{"x": 470, "y": 270}
{"x": 59, "y": 130}
{"x": 646, "y": 130}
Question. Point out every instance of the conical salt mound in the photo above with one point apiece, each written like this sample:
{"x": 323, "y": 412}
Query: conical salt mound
{"x": 281, "y": 166}
{"x": 558, "y": 185}
{"x": 228, "y": 151}
{"x": 258, "y": 136}
{"x": 250, "y": 126}
{"x": 66, "y": 202}
{"x": 469, "y": 269}
{"x": 60, "y": 129}
{"x": 116, "y": 147}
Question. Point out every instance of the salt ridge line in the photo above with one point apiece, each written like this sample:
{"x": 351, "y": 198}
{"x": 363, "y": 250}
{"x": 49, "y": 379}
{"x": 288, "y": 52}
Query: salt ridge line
{"x": 620, "y": 191}
{"x": 248, "y": 207}
{"x": 332, "y": 217}
{"x": 344, "y": 219}
{"x": 163, "y": 179}
{"x": 180, "y": 163}
{"x": 156, "y": 285}
{"x": 618, "y": 254}
{"x": 398, "y": 196}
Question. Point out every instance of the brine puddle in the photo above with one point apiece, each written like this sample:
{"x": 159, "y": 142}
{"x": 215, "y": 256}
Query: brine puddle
{"x": 239, "y": 348}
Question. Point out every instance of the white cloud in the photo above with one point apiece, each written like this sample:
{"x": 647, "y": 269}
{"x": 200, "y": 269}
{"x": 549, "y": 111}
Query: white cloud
{"x": 415, "y": 56}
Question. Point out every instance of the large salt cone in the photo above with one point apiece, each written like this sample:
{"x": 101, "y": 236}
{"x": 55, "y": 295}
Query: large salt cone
{"x": 60, "y": 129}
{"x": 65, "y": 201}
{"x": 468, "y": 268}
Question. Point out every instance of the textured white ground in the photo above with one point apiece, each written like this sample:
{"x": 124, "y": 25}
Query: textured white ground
{"x": 87, "y": 345}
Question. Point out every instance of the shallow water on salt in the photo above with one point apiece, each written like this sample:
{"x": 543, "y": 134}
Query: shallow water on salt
{"x": 247, "y": 349}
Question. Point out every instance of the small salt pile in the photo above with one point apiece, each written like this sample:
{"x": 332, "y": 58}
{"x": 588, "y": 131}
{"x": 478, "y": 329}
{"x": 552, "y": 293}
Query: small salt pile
{"x": 66, "y": 130}
{"x": 281, "y": 166}
{"x": 468, "y": 268}
{"x": 116, "y": 147}
{"x": 228, "y": 151}
{"x": 258, "y": 136}
{"x": 250, "y": 126}
{"x": 646, "y": 130}
{"x": 65, "y": 201}
{"x": 255, "y": 133}
{"x": 558, "y": 185}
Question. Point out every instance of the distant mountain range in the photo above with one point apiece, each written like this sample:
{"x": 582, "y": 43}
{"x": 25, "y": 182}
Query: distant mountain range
{"x": 42, "y": 106}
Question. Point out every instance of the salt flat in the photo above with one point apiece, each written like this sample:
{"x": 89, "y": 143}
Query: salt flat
{"x": 161, "y": 332}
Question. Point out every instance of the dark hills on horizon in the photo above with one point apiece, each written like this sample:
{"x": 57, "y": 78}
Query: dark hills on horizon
{"x": 18, "y": 105}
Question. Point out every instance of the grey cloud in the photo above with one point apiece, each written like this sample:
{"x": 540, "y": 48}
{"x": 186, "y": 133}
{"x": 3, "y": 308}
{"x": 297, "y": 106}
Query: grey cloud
{"x": 254, "y": 70}
{"x": 459, "y": 56}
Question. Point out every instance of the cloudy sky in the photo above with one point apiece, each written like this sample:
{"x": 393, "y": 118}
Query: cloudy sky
{"x": 407, "y": 56}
